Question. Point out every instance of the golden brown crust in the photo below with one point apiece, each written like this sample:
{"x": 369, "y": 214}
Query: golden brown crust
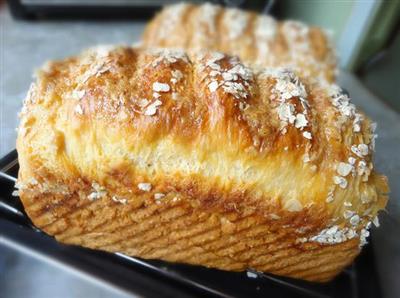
{"x": 162, "y": 154}
{"x": 256, "y": 38}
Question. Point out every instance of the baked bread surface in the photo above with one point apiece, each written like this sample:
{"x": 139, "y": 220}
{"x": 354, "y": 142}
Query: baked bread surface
{"x": 199, "y": 159}
{"x": 256, "y": 38}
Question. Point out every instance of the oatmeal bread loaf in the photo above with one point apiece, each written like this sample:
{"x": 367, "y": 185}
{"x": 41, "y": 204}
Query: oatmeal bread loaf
{"x": 256, "y": 38}
{"x": 197, "y": 158}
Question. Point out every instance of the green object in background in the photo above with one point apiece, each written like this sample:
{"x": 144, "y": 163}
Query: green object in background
{"x": 361, "y": 28}
{"x": 331, "y": 15}
{"x": 382, "y": 76}
{"x": 377, "y": 35}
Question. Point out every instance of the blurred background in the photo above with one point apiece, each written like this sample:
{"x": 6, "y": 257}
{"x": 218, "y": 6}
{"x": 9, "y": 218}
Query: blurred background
{"x": 367, "y": 38}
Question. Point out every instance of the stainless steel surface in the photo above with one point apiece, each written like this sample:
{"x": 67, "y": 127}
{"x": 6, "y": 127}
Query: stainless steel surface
{"x": 26, "y": 45}
{"x": 27, "y": 275}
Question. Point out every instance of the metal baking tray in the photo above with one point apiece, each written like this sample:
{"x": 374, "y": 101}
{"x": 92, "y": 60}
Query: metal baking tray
{"x": 150, "y": 278}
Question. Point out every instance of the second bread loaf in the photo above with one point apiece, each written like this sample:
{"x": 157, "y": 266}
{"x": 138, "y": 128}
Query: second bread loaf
{"x": 255, "y": 38}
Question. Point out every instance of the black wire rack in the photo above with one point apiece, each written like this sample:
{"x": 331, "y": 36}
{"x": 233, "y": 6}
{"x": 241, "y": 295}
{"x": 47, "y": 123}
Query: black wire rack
{"x": 162, "y": 279}
{"x": 111, "y": 9}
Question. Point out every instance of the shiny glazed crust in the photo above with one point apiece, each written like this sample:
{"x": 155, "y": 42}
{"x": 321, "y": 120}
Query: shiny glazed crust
{"x": 199, "y": 159}
{"x": 257, "y": 39}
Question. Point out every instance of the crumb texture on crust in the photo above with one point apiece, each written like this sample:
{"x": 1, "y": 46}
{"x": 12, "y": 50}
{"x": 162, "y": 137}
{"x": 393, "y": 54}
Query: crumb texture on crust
{"x": 256, "y": 38}
{"x": 165, "y": 154}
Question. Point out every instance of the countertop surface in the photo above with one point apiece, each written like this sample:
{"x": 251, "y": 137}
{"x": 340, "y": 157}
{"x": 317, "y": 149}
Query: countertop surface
{"x": 27, "y": 45}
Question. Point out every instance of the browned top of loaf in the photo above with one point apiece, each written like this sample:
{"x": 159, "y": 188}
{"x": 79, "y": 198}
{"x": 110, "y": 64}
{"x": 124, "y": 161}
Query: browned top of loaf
{"x": 255, "y": 38}
{"x": 207, "y": 126}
